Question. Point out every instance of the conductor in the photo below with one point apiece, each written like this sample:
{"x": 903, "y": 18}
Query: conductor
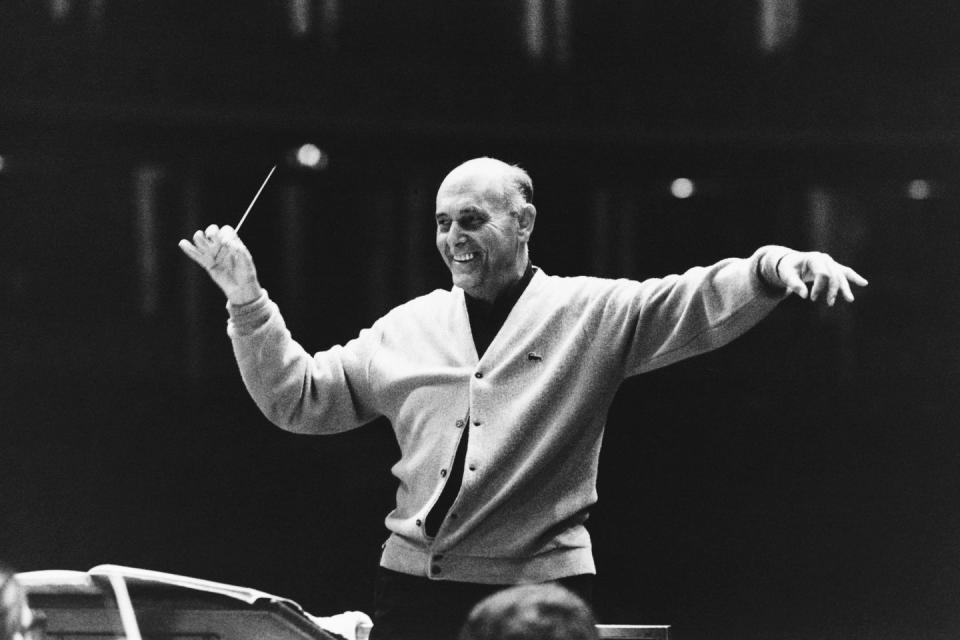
{"x": 497, "y": 388}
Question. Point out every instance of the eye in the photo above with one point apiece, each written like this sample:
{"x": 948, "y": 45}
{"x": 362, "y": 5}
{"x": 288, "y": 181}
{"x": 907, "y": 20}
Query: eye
{"x": 443, "y": 225}
{"x": 470, "y": 222}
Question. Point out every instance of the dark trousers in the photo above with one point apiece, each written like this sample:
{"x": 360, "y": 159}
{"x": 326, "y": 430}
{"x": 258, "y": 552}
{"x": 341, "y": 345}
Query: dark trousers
{"x": 415, "y": 608}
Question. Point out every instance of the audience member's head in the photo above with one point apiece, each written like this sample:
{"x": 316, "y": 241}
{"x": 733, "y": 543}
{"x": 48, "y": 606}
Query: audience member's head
{"x": 531, "y": 612}
{"x": 16, "y": 619}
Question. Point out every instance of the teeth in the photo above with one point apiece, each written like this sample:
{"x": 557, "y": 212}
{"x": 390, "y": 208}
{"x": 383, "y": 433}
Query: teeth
{"x": 463, "y": 257}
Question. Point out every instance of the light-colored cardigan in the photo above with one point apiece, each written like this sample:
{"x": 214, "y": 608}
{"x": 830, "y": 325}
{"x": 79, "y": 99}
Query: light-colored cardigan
{"x": 536, "y": 403}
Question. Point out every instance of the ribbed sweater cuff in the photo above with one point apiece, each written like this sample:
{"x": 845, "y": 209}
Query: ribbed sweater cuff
{"x": 246, "y": 318}
{"x": 765, "y": 268}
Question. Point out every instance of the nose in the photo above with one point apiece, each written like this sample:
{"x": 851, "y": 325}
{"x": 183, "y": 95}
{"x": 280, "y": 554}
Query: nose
{"x": 455, "y": 235}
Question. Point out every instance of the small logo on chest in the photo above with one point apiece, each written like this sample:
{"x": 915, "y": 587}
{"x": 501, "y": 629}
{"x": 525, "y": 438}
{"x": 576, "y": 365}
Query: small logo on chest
{"x": 533, "y": 356}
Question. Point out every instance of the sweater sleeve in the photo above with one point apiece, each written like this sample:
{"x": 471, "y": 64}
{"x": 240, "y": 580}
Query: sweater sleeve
{"x": 326, "y": 392}
{"x": 679, "y": 316}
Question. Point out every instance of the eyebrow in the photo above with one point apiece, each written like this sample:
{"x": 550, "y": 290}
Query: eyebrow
{"x": 468, "y": 210}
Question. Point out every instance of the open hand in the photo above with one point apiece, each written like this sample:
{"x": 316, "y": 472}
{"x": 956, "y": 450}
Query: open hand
{"x": 827, "y": 277}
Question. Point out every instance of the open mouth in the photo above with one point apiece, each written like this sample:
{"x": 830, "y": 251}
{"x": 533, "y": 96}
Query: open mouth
{"x": 464, "y": 257}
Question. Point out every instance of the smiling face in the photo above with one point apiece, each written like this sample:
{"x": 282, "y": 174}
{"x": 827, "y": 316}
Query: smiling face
{"x": 483, "y": 225}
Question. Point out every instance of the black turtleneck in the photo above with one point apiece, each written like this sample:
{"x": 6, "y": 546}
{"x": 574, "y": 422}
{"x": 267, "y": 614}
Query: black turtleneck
{"x": 486, "y": 319}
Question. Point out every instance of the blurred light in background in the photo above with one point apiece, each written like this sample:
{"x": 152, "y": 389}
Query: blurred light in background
{"x": 919, "y": 190}
{"x": 682, "y": 188}
{"x": 329, "y": 13}
{"x": 306, "y": 16}
{"x": 546, "y": 30}
{"x": 147, "y": 181}
{"x": 3, "y": 163}
{"x": 561, "y": 31}
{"x": 59, "y": 9}
{"x": 778, "y": 22}
{"x": 534, "y": 28}
{"x": 310, "y": 156}
{"x": 300, "y": 17}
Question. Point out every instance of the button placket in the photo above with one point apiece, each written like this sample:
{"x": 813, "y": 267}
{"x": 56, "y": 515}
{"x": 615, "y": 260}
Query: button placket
{"x": 435, "y": 567}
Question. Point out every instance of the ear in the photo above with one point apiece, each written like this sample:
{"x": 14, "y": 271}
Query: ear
{"x": 526, "y": 217}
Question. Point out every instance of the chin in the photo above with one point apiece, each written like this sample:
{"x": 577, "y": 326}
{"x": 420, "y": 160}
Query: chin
{"x": 469, "y": 284}
{"x": 464, "y": 283}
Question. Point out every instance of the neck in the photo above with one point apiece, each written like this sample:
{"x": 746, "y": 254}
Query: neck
{"x": 506, "y": 287}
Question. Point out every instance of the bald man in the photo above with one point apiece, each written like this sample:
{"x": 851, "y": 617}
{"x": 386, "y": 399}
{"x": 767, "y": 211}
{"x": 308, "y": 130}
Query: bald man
{"x": 497, "y": 388}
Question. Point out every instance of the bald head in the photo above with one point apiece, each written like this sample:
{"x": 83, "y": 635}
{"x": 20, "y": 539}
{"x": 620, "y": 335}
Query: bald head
{"x": 513, "y": 182}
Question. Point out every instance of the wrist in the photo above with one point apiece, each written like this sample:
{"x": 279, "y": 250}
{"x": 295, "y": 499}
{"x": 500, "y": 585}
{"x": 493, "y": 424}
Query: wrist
{"x": 769, "y": 267}
{"x": 244, "y": 294}
{"x": 776, "y": 268}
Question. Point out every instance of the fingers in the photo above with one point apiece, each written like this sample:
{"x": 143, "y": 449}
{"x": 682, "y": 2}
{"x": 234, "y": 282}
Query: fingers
{"x": 854, "y": 277}
{"x": 821, "y": 284}
{"x": 794, "y": 284}
{"x": 828, "y": 278}
{"x": 192, "y": 252}
{"x": 201, "y": 241}
{"x": 208, "y": 244}
{"x": 833, "y": 286}
{"x": 227, "y": 260}
{"x": 845, "y": 290}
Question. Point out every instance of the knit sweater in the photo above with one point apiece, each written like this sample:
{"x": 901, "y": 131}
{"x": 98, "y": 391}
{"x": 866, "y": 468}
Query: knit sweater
{"x": 536, "y": 402}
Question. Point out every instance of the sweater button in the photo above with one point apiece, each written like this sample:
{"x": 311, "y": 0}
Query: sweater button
{"x": 435, "y": 570}
{"x": 459, "y": 424}
{"x": 478, "y": 375}
{"x": 473, "y": 467}
{"x": 443, "y": 473}
{"x": 476, "y": 423}
{"x": 419, "y": 523}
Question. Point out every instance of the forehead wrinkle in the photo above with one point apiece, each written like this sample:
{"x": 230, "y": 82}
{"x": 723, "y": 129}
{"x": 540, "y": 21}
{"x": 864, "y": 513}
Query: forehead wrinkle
{"x": 460, "y": 205}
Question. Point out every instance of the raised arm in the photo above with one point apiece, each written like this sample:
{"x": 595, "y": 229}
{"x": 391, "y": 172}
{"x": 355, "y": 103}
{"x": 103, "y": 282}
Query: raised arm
{"x": 320, "y": 393}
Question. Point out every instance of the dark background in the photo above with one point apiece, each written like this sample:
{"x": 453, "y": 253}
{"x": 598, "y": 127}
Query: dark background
{"x": 800, "y": 483}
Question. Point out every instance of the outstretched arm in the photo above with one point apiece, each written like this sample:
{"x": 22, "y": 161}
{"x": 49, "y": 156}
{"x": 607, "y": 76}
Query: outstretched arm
{"x": 826, "y": 277}
{"x": 228, "y": 261}
{"x": 681, "y": 316}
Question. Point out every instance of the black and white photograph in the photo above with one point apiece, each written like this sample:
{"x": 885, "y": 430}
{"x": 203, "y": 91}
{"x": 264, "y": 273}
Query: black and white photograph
{"x": 479, "y": 320}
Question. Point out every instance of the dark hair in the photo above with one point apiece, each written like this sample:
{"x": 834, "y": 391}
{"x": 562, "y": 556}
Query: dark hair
{"x": 531, "y": 612}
